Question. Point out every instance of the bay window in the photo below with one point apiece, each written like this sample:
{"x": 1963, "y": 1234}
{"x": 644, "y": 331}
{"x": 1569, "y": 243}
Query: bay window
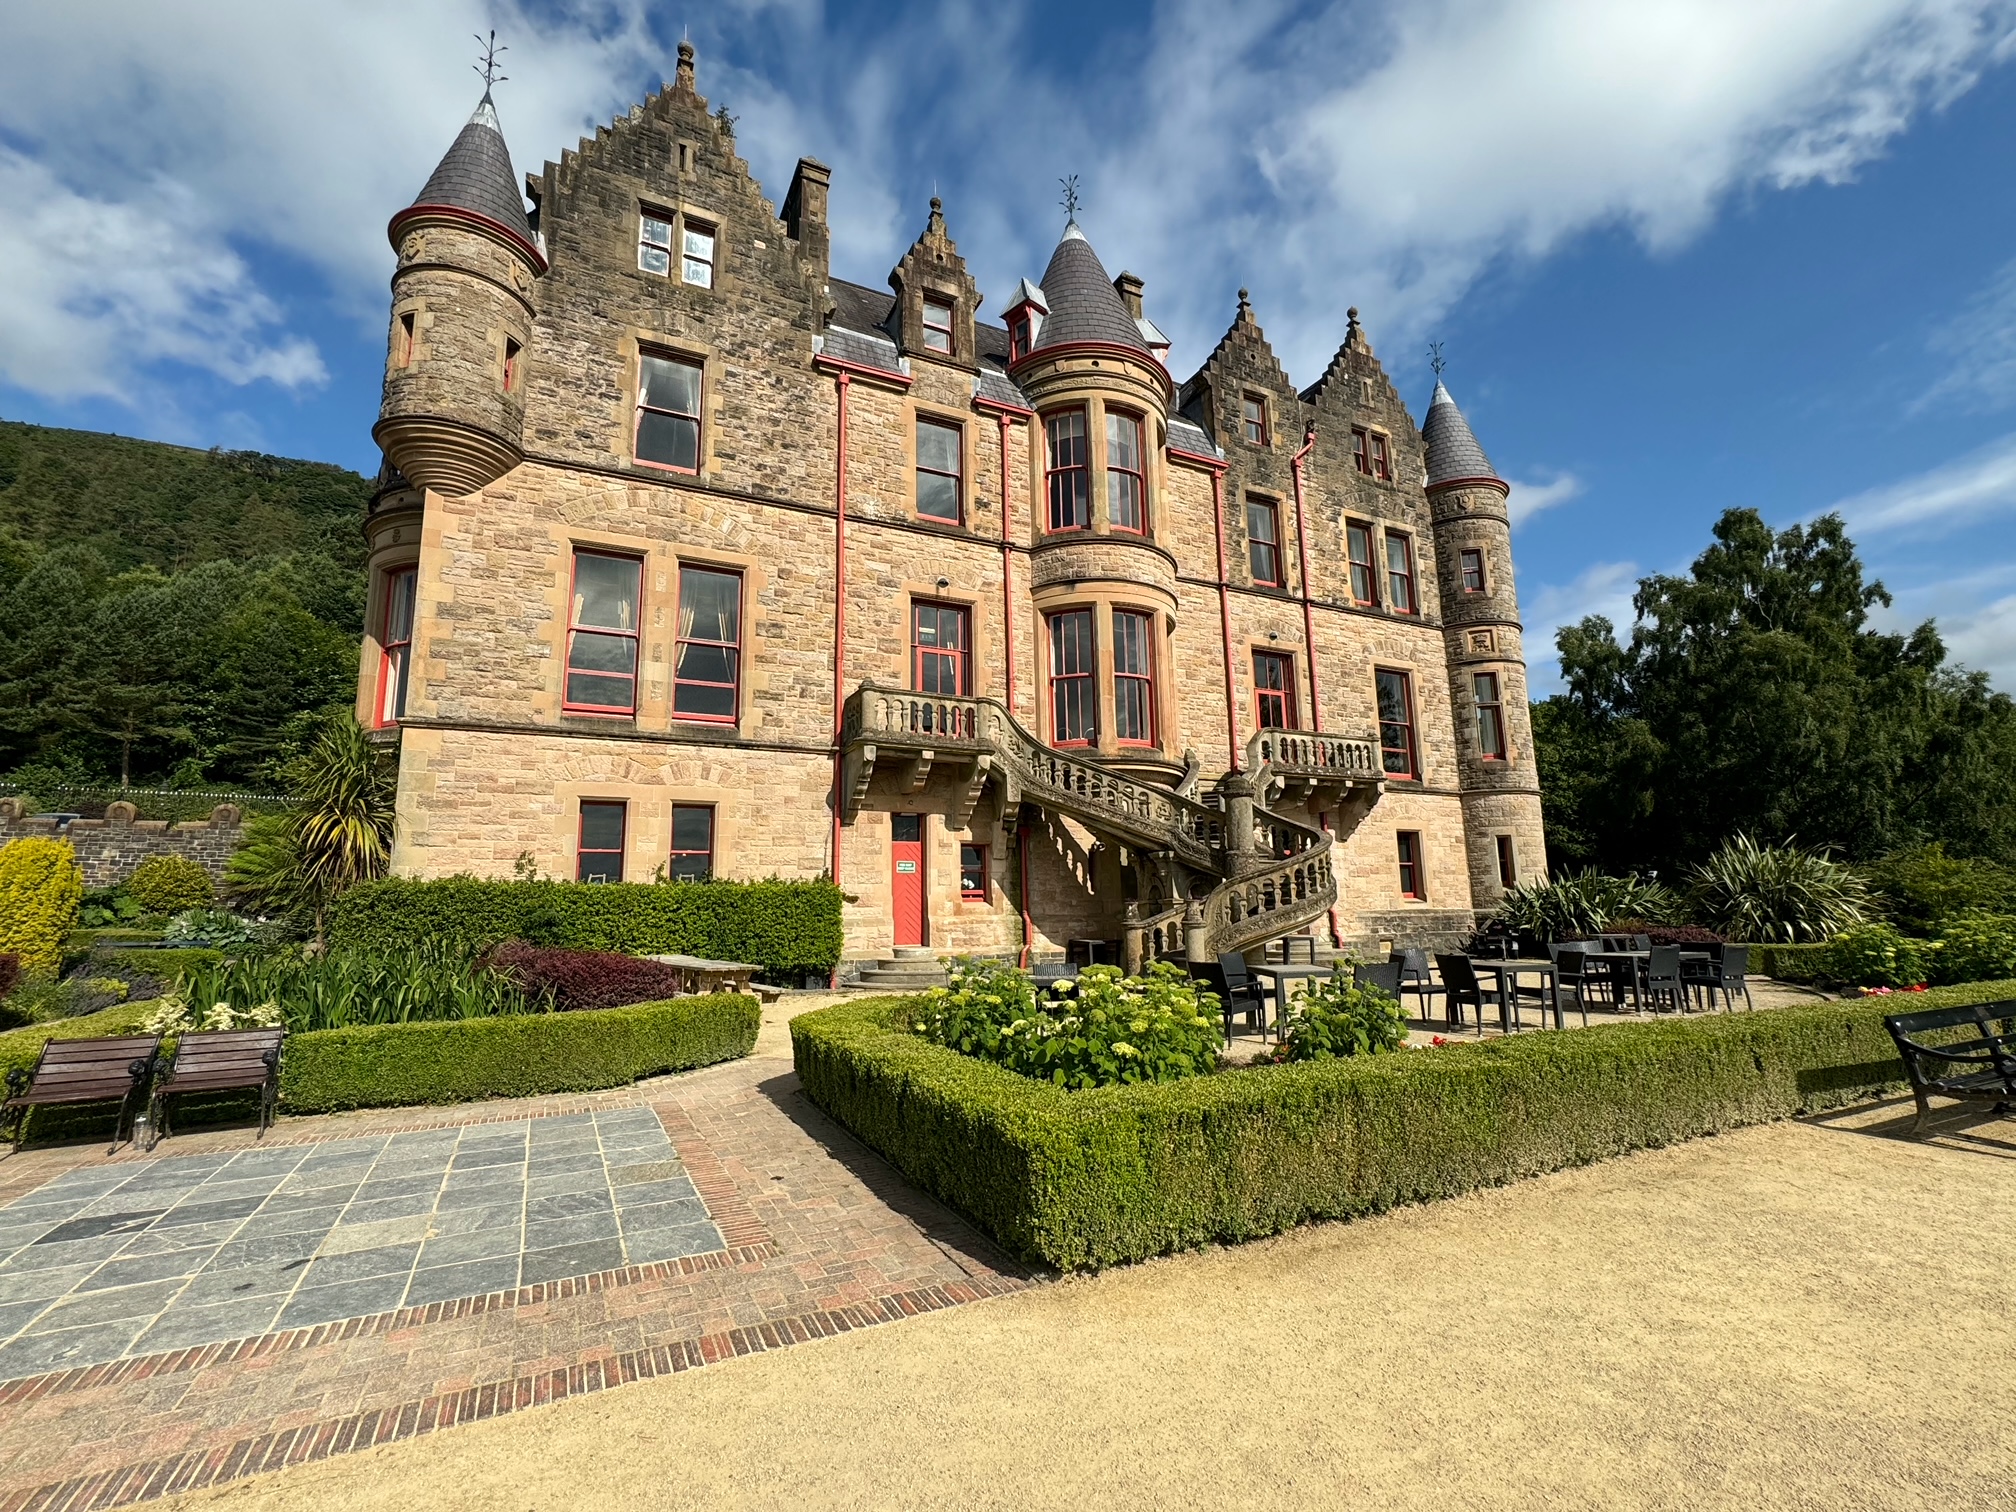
{"x": 1126, "y": 488}
{"x": 1074, "y": 694}
{"x": 1070, "y": 502}
{"x": 1133, "y": 677}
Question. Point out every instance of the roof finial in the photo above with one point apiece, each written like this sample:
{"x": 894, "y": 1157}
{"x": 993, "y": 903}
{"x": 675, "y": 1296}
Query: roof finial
{"x": 488, "y": 67}
{"x": 1245, "y": 306}
{"x": 1070, "y": 200}
{"x": 1435, "y": 362}
{"x": 682, "y": 77}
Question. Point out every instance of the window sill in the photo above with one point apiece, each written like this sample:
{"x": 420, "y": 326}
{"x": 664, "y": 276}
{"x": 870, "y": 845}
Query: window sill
{"x": 665, "y": 467}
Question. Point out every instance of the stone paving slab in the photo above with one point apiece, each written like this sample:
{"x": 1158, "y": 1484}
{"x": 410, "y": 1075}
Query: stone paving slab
{"x": 160, "y": 1255}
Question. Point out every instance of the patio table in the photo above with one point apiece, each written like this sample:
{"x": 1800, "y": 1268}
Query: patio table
{"x": 1508, "y": 990}
{"x": 1281, "y": 973}
{"x": 1637, "y": 960}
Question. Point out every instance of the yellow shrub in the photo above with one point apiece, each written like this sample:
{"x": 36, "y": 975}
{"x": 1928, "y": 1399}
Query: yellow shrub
{"x": 40, "y": 887}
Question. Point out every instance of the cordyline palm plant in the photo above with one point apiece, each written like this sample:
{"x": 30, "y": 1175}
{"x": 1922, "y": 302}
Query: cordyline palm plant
{"x": 1776, "y": 894}
{"x": 338, "y": 834}
{"x": 1582, "y": 904}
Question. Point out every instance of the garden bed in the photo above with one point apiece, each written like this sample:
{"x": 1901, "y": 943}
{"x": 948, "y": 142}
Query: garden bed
{"x": 1094, "y": 1178}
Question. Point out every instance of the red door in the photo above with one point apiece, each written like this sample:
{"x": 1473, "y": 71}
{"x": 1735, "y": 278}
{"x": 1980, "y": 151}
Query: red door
{"x": 906, "y": 886}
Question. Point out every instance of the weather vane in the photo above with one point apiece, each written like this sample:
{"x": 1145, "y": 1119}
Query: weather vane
{"x": 1435, "y": 361}
{"x": 1070, "y": 200}
{"x": 488, "y": 67}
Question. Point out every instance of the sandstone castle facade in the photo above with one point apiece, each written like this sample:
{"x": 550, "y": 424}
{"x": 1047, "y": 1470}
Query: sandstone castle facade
{"x": 691, "y": 559}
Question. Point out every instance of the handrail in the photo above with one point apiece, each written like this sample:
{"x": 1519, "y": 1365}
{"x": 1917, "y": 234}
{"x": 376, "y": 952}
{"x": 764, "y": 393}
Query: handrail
{"x": 1297, "y": 753}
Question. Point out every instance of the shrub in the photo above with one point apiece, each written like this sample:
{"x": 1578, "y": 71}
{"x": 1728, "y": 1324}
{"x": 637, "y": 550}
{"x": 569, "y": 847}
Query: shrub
{"x": 1917, "y": 889}
{"x": 577, "y": 979}
{"x": 1873, "y": 955}
{"x": 790, "y": 929}
{"x": 40, "y": 889}
{"x": 1776, "y": 893}
{"x": 411, "y": 984}
{"x": 1096, "y": 1030}
{"x": 1664, "y": 934}
{"x": 214, "y": 927}
{"x": 10, "y": 973}
{"x": 1341, "y": 1017}
{"x": 108, "y": 908}
{"x": 524, "y": 1055}
{"x": 1580, "y": 904}
{"x": 1976, "y": 947}
{"x": 1120, "y": 1173}
{"x": 169, "y": 884}
{"x": 1788, "y": 963}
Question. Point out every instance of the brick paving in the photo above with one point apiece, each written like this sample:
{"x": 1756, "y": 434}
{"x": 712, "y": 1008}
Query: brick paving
{"x": 817, "y": 1237}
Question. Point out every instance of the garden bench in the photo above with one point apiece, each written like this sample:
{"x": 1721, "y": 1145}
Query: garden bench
{"x": 117, "y": 1068}
{"x": 1976, "y": 1068}
{"x": 221, "y": 1060}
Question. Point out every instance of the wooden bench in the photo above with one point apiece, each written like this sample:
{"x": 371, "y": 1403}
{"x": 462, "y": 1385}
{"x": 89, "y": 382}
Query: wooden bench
{"x": 117, "y": 1069}
{"x": 1980, "y": 1067}
{"x": 221, "y": 1060}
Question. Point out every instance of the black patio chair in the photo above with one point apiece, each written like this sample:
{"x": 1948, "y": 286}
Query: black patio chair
{"x": 1732, "y": 975}
{"x": 1231, "y": 1000}
{"x": 1414, "y": 977}
{"x": 1293, "y": 949}
{"x": 1572, "y": 974}
{"x": 1459, "y": 982}
{"x": 1663, "y": 981}
{"x": 1385, "y": 975}
{"x": 1240, "y": 983}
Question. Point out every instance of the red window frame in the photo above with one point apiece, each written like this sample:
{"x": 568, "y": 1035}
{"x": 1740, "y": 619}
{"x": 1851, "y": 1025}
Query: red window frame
{"x": 1490, "y": 700}
{"x": 1122, "y": 480}
{"x": 1074, "y": 687}
{"x": 1399, "y": 748}
{"x": 1412, "y": 883}
{"x": 1382, "y": 459}
{"x": 1018, "y": 336}
{"x": 512, "y": 351}
{"x": 679, "y": 865}
{"x": 1400, "y": 595}
{"x": 681, "y": 416}
{"x": 1361, "y": 449}
{"x": 1274, "y": 691}
{"x": 958, "y": 475}
{"x": 583, "y": 855}
{"x": 1263, "y": 550}
{"x": 1133, "y": 677}
{"x": 1253, "y": 419}
{"x": 1508, "y": 863}
{"x": 934, "y": 662}
{"x": 1471, "y": 561}
{"x": 576, "y": 628}
{"x": 395, "y": 665}
{"x": 972, "y": 863}
{"x": 1364, "y": 572}
{"x": 1067, "y": 474}
{"x": 938, "y": 333}
{"x": 732, "y": 648}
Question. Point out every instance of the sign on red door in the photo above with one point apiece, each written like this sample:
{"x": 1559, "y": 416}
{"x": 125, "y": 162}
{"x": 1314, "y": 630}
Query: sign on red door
{"x": 906, "y": 886}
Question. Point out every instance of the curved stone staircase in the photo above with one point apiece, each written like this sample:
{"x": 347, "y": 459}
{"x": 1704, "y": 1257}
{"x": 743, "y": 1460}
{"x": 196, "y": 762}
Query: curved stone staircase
{"x": 1260, "y": 873}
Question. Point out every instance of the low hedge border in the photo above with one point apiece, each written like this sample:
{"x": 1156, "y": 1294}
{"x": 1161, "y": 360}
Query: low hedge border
{"x": 1787, "y": 963}
{"x": 1088, "y": 1179}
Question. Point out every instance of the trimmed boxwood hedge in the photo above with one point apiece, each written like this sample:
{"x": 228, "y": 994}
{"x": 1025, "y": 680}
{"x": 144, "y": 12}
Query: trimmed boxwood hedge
{"x": 1083, "y": 1179}
{"x": 1787, "y": 963}
{"x": 790, "y": 929}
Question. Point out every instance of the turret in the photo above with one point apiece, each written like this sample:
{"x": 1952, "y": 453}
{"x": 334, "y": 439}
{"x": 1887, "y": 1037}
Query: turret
{"x": 452, "y": 418}
{"x": 1487, "y": 663}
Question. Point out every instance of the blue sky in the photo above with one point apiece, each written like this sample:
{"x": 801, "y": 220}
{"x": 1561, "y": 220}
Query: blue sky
{"x": 1683, "y": 254}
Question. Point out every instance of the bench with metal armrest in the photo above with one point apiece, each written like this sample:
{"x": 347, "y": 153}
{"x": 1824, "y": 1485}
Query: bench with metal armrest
{"x": 116, "y": 1068}
{"x": 1980, "y": 1067}
{"x": 222, "y": 1060}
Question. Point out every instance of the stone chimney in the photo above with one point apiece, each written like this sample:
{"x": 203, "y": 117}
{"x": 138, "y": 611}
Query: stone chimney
{"x": 1130, "y": 286}
{"x": 805, "y": 212}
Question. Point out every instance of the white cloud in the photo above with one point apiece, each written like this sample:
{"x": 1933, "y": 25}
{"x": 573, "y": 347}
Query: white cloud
{"x": 1604, "y": 588}
{"x": 1528, "y": 499}
{"x": 1982, "y": 482}
{"x": 1980, "y": 342}
{"x": 1984, "y": 640}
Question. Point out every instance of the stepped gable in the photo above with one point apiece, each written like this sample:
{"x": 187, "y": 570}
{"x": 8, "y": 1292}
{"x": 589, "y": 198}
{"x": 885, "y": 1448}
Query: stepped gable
{"x": 1453, "y": 453}
{"x": 934, "y": 267}
{"x": 475, "y": 178}
{"x": 1242, "y": 360}
{"x": 1084, "y": 305}
{"x": 1341, "y": 383}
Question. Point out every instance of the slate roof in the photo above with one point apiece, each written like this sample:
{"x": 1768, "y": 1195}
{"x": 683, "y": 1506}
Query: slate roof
{"x": 476, "y": 175}
{"x": 1187, "y": 435}
{"x": 1084, "y": 305}
{"x": 859, "y": 308}
{"x": 867, "y": 349}
{"x": 996, "y": 387}
{"x": 1453, "y": 451}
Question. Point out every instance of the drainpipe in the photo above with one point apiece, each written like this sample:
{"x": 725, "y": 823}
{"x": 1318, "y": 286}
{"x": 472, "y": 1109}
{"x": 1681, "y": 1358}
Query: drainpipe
{"x": 1225, "y": 616}
{"x": 1008, "y": 608}
{"x": 841, "y": 381}
{"x": 1308, "y": 616}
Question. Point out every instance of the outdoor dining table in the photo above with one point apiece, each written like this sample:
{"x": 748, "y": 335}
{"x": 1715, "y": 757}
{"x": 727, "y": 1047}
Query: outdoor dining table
{"x": 1637, "y": 960}
{"x": 1281, "y": 973}
{"x": 1508, "y": 992}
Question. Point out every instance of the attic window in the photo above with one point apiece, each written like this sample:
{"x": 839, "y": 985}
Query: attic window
{"x": 697, "y": 265}
{"x": 1253, "y": 419}
{"x": 1018, "y": 337}
{"x": 937, "y": 325}
{"x": 654, "y": 245}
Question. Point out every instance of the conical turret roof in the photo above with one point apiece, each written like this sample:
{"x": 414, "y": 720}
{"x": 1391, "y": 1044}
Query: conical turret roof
{"x": 1084, "y": 305}
{"x": 1453, "y": 452}
{"x": 475, "y": 177}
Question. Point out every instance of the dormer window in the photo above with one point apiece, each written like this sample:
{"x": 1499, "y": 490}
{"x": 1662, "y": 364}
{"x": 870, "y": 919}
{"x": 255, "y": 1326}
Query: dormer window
{"x": 1018, "y": 336}
{"x": 937, "y": 325}
{"x": 1253, "y": 419}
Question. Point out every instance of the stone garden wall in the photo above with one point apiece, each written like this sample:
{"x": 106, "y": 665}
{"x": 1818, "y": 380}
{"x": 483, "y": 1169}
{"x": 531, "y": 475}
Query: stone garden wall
{"x": 109, "y": 849}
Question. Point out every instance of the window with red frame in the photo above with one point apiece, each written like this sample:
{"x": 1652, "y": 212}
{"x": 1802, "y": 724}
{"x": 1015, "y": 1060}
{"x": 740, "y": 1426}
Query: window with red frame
{"x": 707, "y": 661}
{"x": 1074, "y": 695}
{"x": 1070, "y": 495}
{"x": 1396, "y": 723}
{"x": 598, "y": 850}
{"x": 1490, "y": 716}
{"x": 1263, "y": 542}
{"x": 1364, "y": 574}
{"x": 602, "y": 634}
{"x": 940, "y": 640}
{"x": 511, "y": 355}
{"x": 1472, "y": 561}
{"x": 937, "y": 325}
{"x": 940, "y": 479}
{"x": 1126, "y": 487}
{"x": 1253, "y": 419}
{"x": 1273, "y": 690}
{"x": 1508, "y": 864}
{"x": 692, "y": 856}
{"x": 1133, "y": 677}
{"x": 1412, "y": 883}
{"x": 1018, "y": 337}
{"x": 1361, "y": 449}
{"x": 668, "y": 413}
{"x": 1382, "y": 459}
{"x": 973, "y": 873}
{"x": 401, "y": 586}
{"x": 1400, "y": 574}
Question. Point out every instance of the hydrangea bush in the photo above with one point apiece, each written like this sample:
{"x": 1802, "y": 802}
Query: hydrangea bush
{"x": 1341, "y": 1017}
{"x": 1875, "y": 955}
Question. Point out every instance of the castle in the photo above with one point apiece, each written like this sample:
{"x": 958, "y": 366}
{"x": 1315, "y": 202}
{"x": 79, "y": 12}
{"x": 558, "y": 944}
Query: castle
{"x": 691, "y": 559}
